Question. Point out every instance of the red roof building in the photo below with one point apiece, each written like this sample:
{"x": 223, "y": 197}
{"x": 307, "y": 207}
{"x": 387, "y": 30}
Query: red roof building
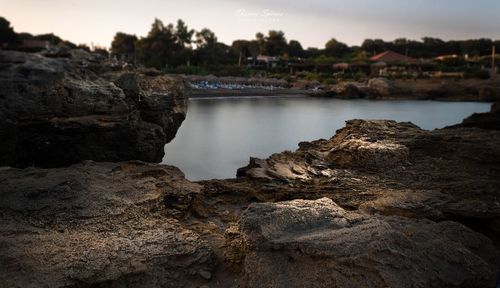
{"x": 392, "y": 57}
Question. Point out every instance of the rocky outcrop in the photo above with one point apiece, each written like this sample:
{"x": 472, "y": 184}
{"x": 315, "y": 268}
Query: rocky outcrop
{"x": 348, "y": 90}
{"x": 318, "y": 244}
{"x": 56, "y": 111}
{"x": 489, "y": 120}
{"x": 382, "y": 87}
{"x": 397, "y": 169}
{"x": 380, "y": 204}
{"x": 421, "y": 89}
{"x": 99, "y": 225}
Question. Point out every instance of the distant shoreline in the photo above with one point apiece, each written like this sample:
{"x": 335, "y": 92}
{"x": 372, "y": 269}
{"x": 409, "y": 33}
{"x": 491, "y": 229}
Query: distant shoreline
{"x": 226, "y": 93}
{"x": 375, "y": 89}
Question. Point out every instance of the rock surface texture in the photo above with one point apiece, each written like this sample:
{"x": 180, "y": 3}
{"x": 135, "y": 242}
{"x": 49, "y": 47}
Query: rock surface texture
{"x": 380, "y": 204}
{"x": 300, "y": 242}
{"x": 100, "y": 225}
{"x": 57, "y": 111}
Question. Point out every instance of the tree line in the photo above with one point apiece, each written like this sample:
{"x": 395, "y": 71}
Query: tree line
{"x": 174, "y": 45}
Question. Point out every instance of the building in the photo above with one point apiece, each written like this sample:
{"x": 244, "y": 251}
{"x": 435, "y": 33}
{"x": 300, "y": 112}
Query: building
{"x": 263, "y": 61}
{"x": 390, "y": 63}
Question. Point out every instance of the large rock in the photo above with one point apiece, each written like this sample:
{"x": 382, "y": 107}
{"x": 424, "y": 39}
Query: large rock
{"x": 349, "y": 90}
{"x": 59, "y": 111}
{"x": 394, "y": 169}
{"x": 318, "y": 244}
{"x": 489, "y": 120}
{"x": 386, "y": 89}
{"x": 99, "y": 225}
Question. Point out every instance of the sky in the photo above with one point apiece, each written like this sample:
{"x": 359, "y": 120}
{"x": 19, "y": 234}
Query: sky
{"x": 312, "y": 22}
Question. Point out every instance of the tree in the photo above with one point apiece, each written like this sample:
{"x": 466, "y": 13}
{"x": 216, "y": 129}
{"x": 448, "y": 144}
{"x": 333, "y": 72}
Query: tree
{"x": 205, "y": 38}
{"x": 276, "y": 44}
{"x": 211, "y": 52}
{"x": 247, "y": 48}
{"x": 183, "y": 35}
{"x": 152, "y": 49}
{"x": 295, "y": 49}
{"x": 123, "y": 46}
{"x": 7, "y": 34}
{"x": 374, "y": 46}
{"x": 166, "y": 45}
{"x": 261, "y": 42}
{"x": 335, "y": 48}
{"x": 53, "y": 39}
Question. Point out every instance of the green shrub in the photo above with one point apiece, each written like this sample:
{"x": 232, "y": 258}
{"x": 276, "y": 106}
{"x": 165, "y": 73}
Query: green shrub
{"x": 476, "y": 72}
{"x": 358, "y": 76}
{"x": 329, "y": 81}
{"x": 482, "y": 74}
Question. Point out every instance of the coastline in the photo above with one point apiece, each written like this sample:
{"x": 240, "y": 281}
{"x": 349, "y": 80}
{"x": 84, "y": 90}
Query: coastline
{"x": 226, "y": 93}
{"x": 468, "y": 90}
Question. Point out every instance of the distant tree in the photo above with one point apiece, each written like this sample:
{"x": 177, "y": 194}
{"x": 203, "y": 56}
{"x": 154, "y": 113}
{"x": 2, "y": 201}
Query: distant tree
{"x": 211, "y": 52}
{"x": 53, "y": 39}
{"x": 101, "y": 50}
{"x": 246, "y": 47}
{"x": 183, "y": 35}
{"x": 7, "y": 34}
{"x": 242, "y": 46}
{"x": 205, "y": 38}
{"x": 476, "y": 47}
{"x": 166, "y": 45}
{"x": 84, "y": 47}
{"x": 276, "y": 44}
{"x": 261, "y": 42}
{"x": 123, "y": 46}
{"x": 335, "y": 48}
{"x": 206, "y": 52}
{"x": 312, "y": 52}
{"x": 24, "y": 36}
{"x": 294, "y": 49}
{"x": 374, "y": 46}
{"x": 153, "y": 49}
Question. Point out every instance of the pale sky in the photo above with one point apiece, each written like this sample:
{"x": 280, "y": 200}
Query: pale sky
{"x": 311, "y": 22}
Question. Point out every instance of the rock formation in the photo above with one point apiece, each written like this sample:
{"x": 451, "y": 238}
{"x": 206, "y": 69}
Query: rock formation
{"x": 298, "y": 243}
{"x": 100, "y": 225}
{"x": 489, "y": 120}
{"x": 380, "y": 204}
{"x": 436, "y": 89}
{"x": 57, "y": 111}
{"x": 445, "y": 174}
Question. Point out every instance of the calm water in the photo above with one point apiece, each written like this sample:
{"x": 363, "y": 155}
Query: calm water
{"x": 219, "y": 135}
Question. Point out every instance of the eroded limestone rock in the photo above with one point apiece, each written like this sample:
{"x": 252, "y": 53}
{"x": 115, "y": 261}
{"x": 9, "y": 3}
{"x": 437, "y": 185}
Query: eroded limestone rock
{"x": 303, "y": 243}
{"x": 101, "y": 224}
{"x": 59, "y": 111}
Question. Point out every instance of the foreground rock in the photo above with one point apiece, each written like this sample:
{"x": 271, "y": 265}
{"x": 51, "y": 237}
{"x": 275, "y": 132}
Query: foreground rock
{"x": 396, "y": 169}
{"x": 57, "y": 111}
{"x": 380, "y": 204}
{"x": 99, "y": 224}
{"x": 318, "y": 244}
